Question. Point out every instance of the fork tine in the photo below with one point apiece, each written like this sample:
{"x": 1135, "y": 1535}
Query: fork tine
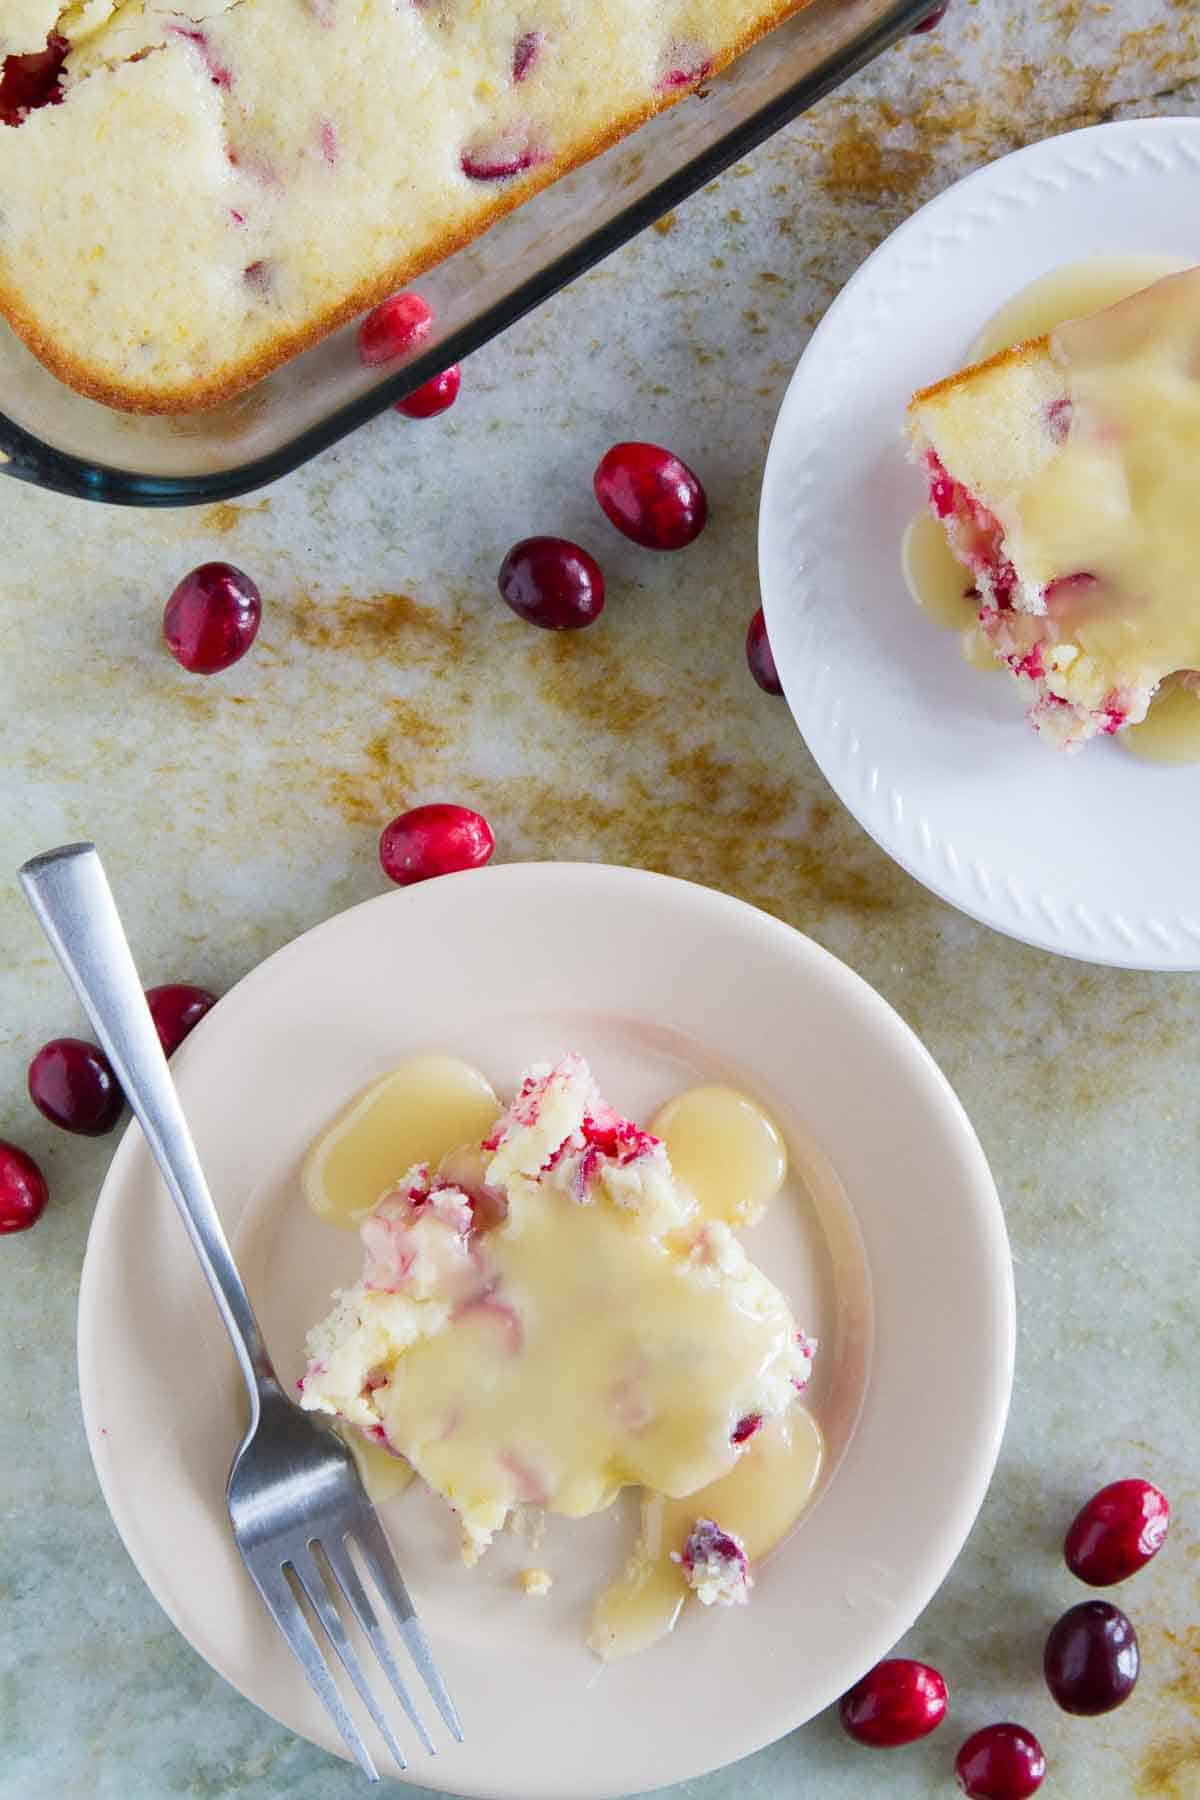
{"x": 345, "y": 1572}
{"x": 377, "y": 1553}
{"x": 285, "y": 1610}
{"x": 312, "y": 1579}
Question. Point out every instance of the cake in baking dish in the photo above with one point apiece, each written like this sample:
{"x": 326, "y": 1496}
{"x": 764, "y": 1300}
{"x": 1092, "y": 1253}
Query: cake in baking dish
{"x": 188, "y": 198}
{"x": 1064, "y": 472}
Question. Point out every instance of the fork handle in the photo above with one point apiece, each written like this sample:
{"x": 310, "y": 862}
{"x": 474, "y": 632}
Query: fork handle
{"x": 69, "y": 892}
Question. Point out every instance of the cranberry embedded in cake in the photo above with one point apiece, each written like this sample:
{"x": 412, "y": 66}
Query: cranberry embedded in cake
{"x": 588, "y": 1329}
{"x": 716, "y": 1565}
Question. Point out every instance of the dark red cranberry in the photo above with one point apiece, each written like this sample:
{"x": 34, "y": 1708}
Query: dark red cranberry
{"x": 72, "y": 1083}
{"x": 1001, "y": 1762}
{"x": 745, "y": 1429}
{"x": 896, "y": 1702}
{"x": 551, "y": 582}
{"x": 1091, "y": 1660}
{"x": 651, "y": 496}
{"x": 399, "y": 324}
{"x": 23, "y": 1191}
{"x": 433, "y": 396}
{"x": 31, "y": 80}
{"x": 434, "y": 840}
{"x": 212, "y": 618}
{"x": 176, "y": 1008}
{"x": 759, "y": 657}
{"x": 1117, "y": 1532}
{"x": 932, "y": 19}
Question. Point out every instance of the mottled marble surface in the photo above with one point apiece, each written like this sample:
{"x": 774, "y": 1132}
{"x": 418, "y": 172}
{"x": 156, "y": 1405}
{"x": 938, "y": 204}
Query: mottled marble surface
{"x": 235, "y": 813}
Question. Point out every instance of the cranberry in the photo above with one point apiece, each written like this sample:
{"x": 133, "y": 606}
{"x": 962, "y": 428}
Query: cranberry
{"x": 1117, "y": 1532}
{"x": 896, "y": 1702}
{"x": 686, "y": 75}
{"x": 526, "y": 51}
{"x": 716, "y": 1557}
{"x": 399, "y": 324}
{"x": 510, "y": 152}
{"x": 1091, "y": 1659}
{"x": 553, "y": 583}
{"x": 758, "y": 655}
{"x": 1001, "y": 1762}
{"x": 212, "y": 618}
{"x": 745, "y": 1429}
{"x": 176, "y": 1009}
{"x": 31, "y": 80}
{"x": 1058, "y": 419}
{"x": 23, "y": 1191}
{"x": 930, "y": 20}
{"x": 72, "y": 1083}
{"x": 433, "y": 396}
{"x": 651, "y": 496}
{"x": 434, "y": 840}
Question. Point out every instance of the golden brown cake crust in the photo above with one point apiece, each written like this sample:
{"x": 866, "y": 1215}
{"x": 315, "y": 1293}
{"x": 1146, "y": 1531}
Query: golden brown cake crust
{"x": 1031, "y": 347}
{"x": 227, "y": 383}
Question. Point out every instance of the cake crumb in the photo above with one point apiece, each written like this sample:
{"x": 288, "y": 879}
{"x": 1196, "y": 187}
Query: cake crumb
{"x": 529, "y": 1522}
{"x": 537, "y": 1582}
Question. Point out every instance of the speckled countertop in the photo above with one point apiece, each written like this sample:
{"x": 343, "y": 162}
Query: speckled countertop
{"x": 234, "y": 813}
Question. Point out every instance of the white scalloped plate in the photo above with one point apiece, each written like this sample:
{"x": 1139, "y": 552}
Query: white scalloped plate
{"x": 1093, "y": 855}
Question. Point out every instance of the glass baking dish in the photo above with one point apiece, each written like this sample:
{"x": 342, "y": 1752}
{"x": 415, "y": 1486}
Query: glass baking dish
{"x": 56, "y": 439}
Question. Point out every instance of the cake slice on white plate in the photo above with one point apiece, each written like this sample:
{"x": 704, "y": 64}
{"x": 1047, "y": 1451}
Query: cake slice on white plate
{"x": 1065, "y": 472}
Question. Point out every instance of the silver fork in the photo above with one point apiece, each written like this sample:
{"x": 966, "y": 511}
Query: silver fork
{"x": 295, "y": 1499}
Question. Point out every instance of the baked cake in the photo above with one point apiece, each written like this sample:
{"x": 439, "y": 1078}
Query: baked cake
{"x": 1064, "y": 472}
{"x": 549, "y": 1317}
{"x": 187, "y": 199}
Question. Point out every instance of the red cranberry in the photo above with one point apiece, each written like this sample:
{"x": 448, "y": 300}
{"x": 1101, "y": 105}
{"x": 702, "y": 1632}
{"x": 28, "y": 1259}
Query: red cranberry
{"x": 176, "y": 1008}
{"x": 510, "y": 152}
{"x": 434, "y": 840}
{"x": 212, "y": 618}
{"x": 1001, "y": 1762}
{"x": 31, "y": 80}
{"x": 1091, "y": 1660}
{"x": 745, "y": 1429}
{"x": 931, "y": 19}
{"x": 72, "y": 1083}
{"x": 399, "y": 324}
{"x": 23, "y": 1191}
{"x": 551, "y": 582}
{"x": 651, "y": 496}
{"x": 896, "y": 1702}
{"x": 758, "y": 655}
{"x": 1117, "y": 1532}
{"x": 433, "y": 396}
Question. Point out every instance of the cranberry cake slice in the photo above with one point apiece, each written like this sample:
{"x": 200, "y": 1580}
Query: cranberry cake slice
{"x": 548, "y": 1317}
{"x": 1064, "y": 473}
